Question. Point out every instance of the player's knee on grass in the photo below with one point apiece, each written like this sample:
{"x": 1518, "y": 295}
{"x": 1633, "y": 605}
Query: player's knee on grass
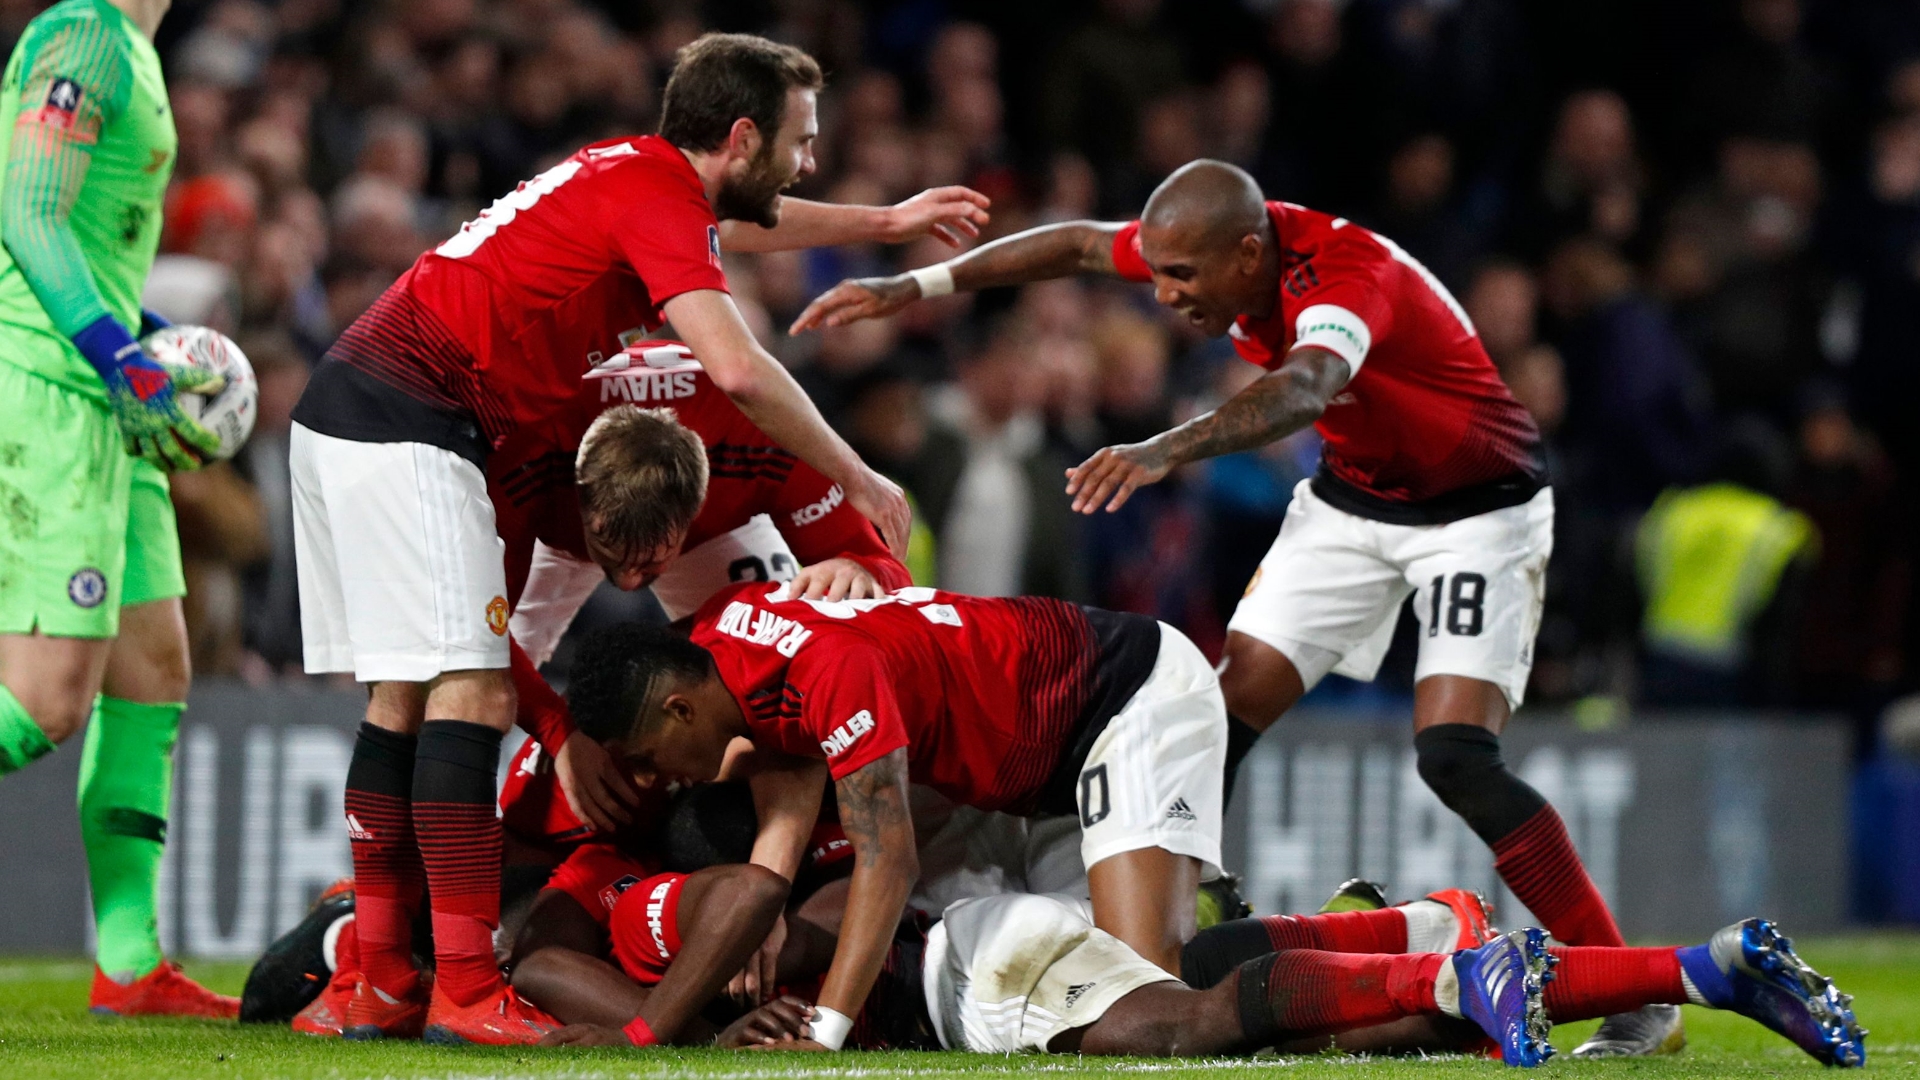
{"x": 1159, "y": 1020}
{"x": 1258, "y": 682}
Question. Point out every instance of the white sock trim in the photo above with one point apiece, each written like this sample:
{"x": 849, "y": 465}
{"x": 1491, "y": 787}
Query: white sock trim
{"x": 1446, "y": 989}
{"x": 1431, "y": 926}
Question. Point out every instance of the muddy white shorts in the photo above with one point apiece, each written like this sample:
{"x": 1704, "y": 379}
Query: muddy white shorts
{"x": 1008, "y": 973}
{"x": 399, "y": 563}
{"x": 1328, "y": 593}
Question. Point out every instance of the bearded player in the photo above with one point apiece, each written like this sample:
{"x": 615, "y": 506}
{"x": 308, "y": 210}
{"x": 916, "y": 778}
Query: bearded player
{"x": 91, "y": 631}
{"x": 402, "y": 580}
{"x": 704, "y": 499}
{"x": 1431, "y": 484}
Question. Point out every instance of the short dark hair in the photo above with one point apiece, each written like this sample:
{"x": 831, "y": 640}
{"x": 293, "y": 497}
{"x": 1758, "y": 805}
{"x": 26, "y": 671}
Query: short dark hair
{"x": 616, "y": 670}
{"x": 720, "y": 78}
{"x": 642, "y": 476}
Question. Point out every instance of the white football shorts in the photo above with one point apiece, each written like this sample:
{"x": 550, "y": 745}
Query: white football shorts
{"x": 1007, "y": 973}
{"x": 1152, "y": 778}
{"x": 400, "y": 566}
{"x": 1328, "y": 593}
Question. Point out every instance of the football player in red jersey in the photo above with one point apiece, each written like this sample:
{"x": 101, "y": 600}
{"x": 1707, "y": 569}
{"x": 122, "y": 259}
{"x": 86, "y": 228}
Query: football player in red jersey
{"x": 1025, "y": 705}
{"x": 401, "y": 575}
{"x": 1431, "y": 484}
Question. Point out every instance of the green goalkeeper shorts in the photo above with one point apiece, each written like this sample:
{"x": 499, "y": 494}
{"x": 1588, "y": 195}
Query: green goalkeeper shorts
{"x": 84, "y": 527}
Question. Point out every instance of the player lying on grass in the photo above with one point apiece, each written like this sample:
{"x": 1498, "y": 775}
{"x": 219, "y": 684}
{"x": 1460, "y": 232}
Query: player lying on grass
{"x": 1022, "y": 705}
{"x": 684, "y": 499}
{"x": 1011, "y": 973}
{"x": 401, "y": 578}
{"x": 1432, "y": 486}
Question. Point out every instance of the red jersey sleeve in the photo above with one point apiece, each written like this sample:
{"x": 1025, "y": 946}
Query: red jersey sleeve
{"x": 542, "y": 712}
{"x": 847, "y": 705}
{"x": 1126, "y": 254}
{"x": 1342, "y": 304}
{"x": 668, "y": 235}
{"x": 813, "y": 514}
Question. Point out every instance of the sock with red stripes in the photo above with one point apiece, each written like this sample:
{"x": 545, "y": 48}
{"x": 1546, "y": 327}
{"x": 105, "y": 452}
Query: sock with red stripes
{"x": 460, "y": 841}
{"x": 1532, "y": 852}
{"x": 1213, "y": 953}
{"x": 1304, "y": 992}
{"x": 1592, "y": 982}
{"x": 1538, "y": 862}
{"x": 387, "y": 874}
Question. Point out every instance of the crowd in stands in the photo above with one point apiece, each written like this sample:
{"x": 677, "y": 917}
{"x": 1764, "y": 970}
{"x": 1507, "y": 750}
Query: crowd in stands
{"x": 1689, "y": 235}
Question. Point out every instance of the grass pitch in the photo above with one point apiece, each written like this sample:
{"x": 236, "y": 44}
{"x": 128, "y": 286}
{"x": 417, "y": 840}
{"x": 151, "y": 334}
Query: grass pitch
{"x": 46, "y": 1034}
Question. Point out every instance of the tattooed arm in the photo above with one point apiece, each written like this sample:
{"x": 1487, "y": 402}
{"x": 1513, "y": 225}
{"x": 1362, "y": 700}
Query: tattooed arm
{"x": 873, "y": 811}
{"x": 1271, "y": 407}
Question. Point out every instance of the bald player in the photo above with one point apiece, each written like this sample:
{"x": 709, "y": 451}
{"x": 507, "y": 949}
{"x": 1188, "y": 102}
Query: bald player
{"x": 1431, "y": 484}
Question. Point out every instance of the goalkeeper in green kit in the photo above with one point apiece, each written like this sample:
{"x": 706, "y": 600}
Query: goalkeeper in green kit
{"x": 91, "y": 631}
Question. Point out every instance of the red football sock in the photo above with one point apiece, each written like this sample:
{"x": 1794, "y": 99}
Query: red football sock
{"x": 1538, "y": 862}
{"x": 1382, "y": 931}
{"x": 388, "y": 877}
{"x": 1592, "y": 982}
{"x": 1311, "y": 992}
{"x": 460, "y": 841}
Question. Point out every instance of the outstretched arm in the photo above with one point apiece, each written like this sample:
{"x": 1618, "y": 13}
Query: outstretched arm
{"x": 1271, "y": 407}
{"x": 873, "y": 811}
{"x": 1050, "y": 251}
{"x": 711, "y": 326}
{"x": 951, "y": 215}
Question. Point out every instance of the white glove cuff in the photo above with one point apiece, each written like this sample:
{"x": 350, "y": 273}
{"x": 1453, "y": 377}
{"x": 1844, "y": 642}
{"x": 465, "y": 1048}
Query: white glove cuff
{"x": 830, "y": 1027}
{"x": 935, "y": 280}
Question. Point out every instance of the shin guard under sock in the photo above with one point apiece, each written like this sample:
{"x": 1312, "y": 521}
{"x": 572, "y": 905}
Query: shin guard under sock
{"x": 1308, "y": 992}
{"x": 1217, "y": 950}
{"x": 1538, "y": 862}
{"x": 1532, "y": 852}
{"x": 22, "y": 742}
{"x": 126, "y": 781}
{"x": 1592, "y": 982}
{"x": 388, "y": 878}
{"x": 460, "y": 841}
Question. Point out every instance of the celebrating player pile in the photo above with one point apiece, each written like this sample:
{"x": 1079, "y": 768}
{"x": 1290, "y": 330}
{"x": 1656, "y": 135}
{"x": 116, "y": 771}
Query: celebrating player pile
{"x": 401, "y": 573}
{"x": 90, "y": 574}
{"x": 1432, "y": 484}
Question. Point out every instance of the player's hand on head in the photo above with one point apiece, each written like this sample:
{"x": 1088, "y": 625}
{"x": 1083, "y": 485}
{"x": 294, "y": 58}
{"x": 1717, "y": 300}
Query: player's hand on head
{"x": 836, "y": 579}
{"x": 597, "y": 791}
{"x": 951, "y": 215}
{"x": 1113, "y": 474}
{"x": 585, "y": 1035}
{"x": 779, "y": 1020}
{"x": 143, "y": 395}
{"x": 883, "y": 502}
{"x": 853, "y": 300}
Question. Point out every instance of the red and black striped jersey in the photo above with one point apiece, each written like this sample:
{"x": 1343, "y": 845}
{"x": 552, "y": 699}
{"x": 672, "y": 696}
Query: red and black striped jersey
{"x": 498, "y": 323}
{"x": 1425, "y": 431}
{"x": 997, "y": 701}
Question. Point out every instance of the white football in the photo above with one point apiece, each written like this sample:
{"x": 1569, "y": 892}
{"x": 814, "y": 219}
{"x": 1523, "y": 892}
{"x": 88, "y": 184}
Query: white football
{"x": 229, "y": 413}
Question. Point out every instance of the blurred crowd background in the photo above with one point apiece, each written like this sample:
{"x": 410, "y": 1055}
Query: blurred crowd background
{"x": 1689, "y": 234}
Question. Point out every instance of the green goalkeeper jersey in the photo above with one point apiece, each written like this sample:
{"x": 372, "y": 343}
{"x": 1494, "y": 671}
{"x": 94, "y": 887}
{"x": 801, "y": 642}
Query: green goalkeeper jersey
{"x": 88, "y": 142}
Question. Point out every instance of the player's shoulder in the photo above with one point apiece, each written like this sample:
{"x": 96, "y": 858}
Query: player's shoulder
{"x": 666, "y": 374}
{"x": 77, "y": 24}
{"x": 645, "y": 162}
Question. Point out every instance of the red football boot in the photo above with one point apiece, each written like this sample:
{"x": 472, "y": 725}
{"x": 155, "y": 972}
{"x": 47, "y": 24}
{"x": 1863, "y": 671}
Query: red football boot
{"x": 373, "y": 1014}
{"x": 327, "y": 1014}
{"x": 164, "y": 991}
{"x": 1472, "y": 912}
{"x": 502, "y": 1018}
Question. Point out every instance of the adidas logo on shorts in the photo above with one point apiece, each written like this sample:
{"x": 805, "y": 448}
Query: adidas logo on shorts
{"x": 1181, "y": 810}
{"x": 1075, "y": 992}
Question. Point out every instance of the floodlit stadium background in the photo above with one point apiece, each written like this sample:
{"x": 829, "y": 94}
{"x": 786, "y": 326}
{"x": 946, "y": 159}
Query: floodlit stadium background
{"x": 1689, "y": 234}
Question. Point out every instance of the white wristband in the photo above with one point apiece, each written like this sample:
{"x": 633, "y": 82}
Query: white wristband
{"x": 935, "y": 280}
{"x": 830, "y": 1027}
